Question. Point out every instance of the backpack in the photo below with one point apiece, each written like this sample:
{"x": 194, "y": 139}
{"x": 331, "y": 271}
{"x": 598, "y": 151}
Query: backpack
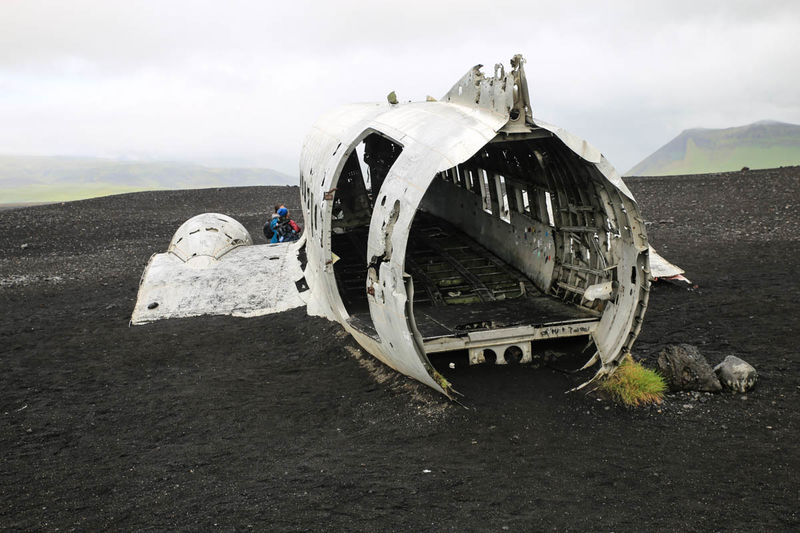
{"x": 268, "y": 230}
{"x": 284, "y": 230}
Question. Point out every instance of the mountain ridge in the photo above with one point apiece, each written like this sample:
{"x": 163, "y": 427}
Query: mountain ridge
{"x": 58, "y": 178}
{"x": 762, "y": 144}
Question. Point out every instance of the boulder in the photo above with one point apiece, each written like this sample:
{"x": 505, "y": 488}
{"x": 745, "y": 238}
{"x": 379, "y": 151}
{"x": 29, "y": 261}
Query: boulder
{"x": 736, "y": 374}
{"x": 685, "y": 368}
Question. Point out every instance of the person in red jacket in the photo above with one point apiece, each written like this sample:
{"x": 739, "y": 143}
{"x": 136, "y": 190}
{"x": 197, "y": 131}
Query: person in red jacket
{"x": 284, "y": 229}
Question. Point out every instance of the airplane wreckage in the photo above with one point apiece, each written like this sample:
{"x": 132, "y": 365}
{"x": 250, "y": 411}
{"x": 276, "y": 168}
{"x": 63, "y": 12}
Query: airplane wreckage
{"x": 457, "y": 224}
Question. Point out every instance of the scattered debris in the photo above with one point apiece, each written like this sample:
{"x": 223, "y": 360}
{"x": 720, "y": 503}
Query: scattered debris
{"x": 25, "y": 280}
{"x": 661, "y": 269}
{"x": 736, "y": 374}
{"x": 685, "y": 368}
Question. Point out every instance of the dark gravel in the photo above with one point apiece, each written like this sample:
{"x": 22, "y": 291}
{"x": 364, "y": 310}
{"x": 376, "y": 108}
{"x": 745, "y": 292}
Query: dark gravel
{"x": 280, "y": 423}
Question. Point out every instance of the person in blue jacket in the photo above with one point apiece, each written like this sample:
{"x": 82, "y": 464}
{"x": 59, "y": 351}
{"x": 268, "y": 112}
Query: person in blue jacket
{"x": 284, "y": 229}
{"x": 268, "y": 233}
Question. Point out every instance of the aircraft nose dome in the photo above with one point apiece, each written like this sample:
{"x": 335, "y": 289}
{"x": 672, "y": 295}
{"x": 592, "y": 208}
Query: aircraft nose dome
{"x": 205, "y": 238}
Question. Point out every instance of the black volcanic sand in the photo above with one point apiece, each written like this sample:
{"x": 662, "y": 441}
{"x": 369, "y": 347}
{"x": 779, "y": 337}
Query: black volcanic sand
{"x": 280, "y": 423}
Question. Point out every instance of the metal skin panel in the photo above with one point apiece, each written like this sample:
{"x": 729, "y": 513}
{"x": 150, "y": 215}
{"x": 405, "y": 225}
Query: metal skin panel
{"x": 213, "y": 268}
{"x": 322, "y": 155}
{"x": 578, "y": 237}
{"x": 436, "y": 136}
{"x": 491, "y": 232}
{"x": 661, "y": 268}
{"x": 589, "y": 153}
{"x": 247, "y": 281}
{"x": 207, "y": 237}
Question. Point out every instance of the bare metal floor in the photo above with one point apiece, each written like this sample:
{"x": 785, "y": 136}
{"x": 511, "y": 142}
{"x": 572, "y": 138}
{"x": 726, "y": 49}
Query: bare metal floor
{"x": 536, "y": 311}
{"x": 459, "y": 285}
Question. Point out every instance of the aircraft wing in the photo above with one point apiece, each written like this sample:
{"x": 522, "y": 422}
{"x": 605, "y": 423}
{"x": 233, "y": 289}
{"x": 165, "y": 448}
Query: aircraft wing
{"x": 240, "y": 279}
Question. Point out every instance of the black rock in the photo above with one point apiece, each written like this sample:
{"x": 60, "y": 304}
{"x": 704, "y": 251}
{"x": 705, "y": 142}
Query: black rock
{"x": 685, "y": 368}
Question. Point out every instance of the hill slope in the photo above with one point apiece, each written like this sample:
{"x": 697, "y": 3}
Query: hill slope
{"x": 764, "y": 144}
{"x": 49, "y": 179}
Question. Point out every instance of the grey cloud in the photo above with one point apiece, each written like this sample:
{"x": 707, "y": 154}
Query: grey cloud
{"x": 245, "y": 80}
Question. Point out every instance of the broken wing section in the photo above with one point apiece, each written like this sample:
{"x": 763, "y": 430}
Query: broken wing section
{"x": 212, "y": 268}
{"x": 660, "y": 268}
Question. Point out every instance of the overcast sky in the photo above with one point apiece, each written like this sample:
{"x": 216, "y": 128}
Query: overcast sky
{"x": 241, "y": 82}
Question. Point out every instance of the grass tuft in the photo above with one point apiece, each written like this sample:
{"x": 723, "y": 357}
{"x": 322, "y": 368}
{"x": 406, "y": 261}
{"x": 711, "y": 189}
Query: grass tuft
{"x": 634, "y": 385}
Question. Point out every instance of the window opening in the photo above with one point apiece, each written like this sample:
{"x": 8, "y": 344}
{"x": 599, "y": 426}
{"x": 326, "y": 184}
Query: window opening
{"x": 362, "y": 165}
{"x": 462, "y": 177}
{"x": 502, "y": 199}
{"x": 515, "y": 198}
{"x": 549, "y": 203}
{"x": 380, "y": 154}
{"x": 485, "y": 195}
{"x": 462, "y": 181}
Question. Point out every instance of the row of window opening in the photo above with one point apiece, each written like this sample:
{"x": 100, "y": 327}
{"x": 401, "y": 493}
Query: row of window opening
{"x": 500, "y": 196}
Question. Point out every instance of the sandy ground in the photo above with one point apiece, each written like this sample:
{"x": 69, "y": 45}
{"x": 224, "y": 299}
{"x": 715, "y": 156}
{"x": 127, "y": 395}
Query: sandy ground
{"x": 282, "y": 423}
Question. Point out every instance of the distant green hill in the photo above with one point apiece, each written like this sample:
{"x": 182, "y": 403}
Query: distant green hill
{"x": 764, "y": 144}
{"x": 52, "y": 179}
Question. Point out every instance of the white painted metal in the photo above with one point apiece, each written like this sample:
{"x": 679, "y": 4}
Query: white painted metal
{"x": 477, "y": 356}
{"x": 436, "y": 136}
{"x": 205, "y": 238}
{"x": 589, "y": 153}
{"x": 508, "y": 336}
{"x": 661, "y": 268}
{"x": 599, "y": 291}
{"x": 209, "y": 270}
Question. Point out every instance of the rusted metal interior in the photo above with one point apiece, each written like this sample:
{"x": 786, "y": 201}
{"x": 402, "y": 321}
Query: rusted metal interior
{"x": 460, "y": 286}
{"x": 508, "y": 239}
